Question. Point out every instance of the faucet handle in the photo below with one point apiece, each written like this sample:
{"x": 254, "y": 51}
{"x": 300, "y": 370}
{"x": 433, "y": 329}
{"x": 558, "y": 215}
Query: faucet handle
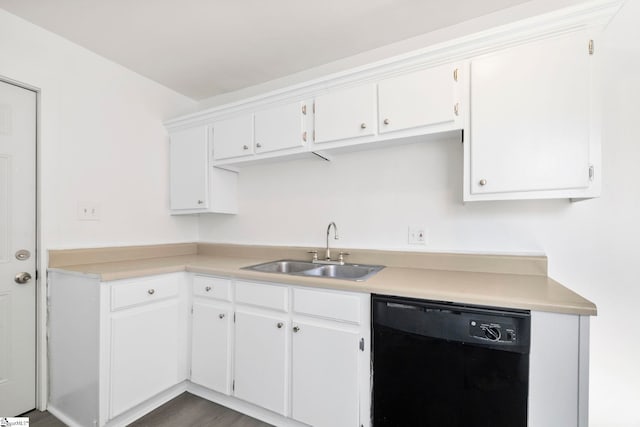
{"x": 315, "y": 254}
{"x": 341, "y": 256}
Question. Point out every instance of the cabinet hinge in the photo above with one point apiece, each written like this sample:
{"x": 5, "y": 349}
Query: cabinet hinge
{"x": 591, "y": 172}
{"x": 234, "y": 318}
{"x": 314, "y": 135}
{"x": 304, "y": 109}
{"x": 456, "y": 108}
{"x": 590, "y": 47}
{"x": 304, "y": 136}
{"x": 455, "y": 75}
{"x": 313, "y": 107}
{"x": 233, "y": 385}
{"x": 361, "y": 345}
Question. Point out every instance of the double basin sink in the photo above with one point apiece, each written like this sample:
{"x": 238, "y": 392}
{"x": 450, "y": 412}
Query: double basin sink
{"x": 355, "y": 272}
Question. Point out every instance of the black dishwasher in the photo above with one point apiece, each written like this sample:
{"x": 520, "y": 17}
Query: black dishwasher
{"x": 442, "y": 364}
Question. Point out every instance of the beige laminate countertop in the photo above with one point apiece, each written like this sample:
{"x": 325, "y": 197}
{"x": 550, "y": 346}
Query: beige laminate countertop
{"x": 520, "y": 291}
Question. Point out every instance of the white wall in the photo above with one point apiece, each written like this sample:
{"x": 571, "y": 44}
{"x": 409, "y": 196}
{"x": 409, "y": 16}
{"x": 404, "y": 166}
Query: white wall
{"x": 373, "y": 196}
{"x": 101, "y": 140}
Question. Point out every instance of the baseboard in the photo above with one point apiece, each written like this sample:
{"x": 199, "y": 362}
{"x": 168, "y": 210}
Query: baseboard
{"x": 243, "y": 407}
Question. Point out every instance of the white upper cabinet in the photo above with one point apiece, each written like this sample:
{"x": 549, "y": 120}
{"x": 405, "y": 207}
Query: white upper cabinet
{"x": 345, "y": 113}
{"x": 422, "y": 98}
{"x": 189, "y": 159}
{"x": 531, "y": 116}
{"x": 233, "y": 137}
{"x": 196, "y": 186}
{"x": 280, "y": 128}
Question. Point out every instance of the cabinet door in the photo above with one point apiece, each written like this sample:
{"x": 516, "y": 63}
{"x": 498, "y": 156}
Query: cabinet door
{"x": 144, "y": 353}
{"x": 189, "y": 157}
{"x": 530, "y": 117}
{"x": 279, "y": 128}
{"x": 423, "y": 98}
{"x": 233, "y": 137}
{"x": 261, "y": 360}
{"x": 346, "y": 113}
{"x": 210, "y": 347}
{"x": 325, "y": 376}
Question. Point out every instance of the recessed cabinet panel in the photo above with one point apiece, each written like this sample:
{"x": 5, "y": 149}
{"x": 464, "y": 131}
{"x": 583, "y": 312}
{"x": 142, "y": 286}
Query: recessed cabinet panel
{"x": 345, "y": 113}
{"x": 233, "y": 137}
{"x": 422, "y": 98}
{"x": 144, "y": 354}
{"x": 261, "y": 360}
{"x": 325, "y": 376}
{"x": 188, "y": 168}
{"x": 279, "y": 128}
{"x": 211, "y": 347}
{"x": 530, "y": 115}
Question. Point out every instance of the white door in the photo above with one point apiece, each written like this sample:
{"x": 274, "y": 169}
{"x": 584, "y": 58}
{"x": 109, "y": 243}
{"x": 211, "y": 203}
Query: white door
{"x": 17, "y": 233}
{"x": 325, "y": 376}
{"x": 211, "y": 347}
{"x": 423, "y": 98}
{"x": 261, "y": 360}
{"x": 530, "y": 115}
{"x": 145, "y": 353}
{"x": 233, "y": 137}
{"x": 189, "y": 160}
{"x": 346, "y": 113}
{"x": 279, "y": 128}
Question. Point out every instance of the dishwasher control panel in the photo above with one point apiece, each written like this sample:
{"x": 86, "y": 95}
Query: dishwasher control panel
{"x": 493, "y": 331}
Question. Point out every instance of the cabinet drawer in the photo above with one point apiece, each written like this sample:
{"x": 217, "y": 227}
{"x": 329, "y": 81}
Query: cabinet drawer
{"x": 262, "y": 295}
{"x": 143, "y": 291}
{"x": 212, "y": 287}
{"x": 328, "y": 305}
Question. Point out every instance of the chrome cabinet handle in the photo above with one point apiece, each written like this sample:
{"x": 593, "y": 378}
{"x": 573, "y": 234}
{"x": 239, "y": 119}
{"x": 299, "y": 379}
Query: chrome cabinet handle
{"x": 363, "y": 126}
{"x": 221, "y": 315}
{"x": 258, "y": 145}
{"x": 483, "y": 182}
{"x": 207, "y": 289}
{"x": 22, "y": 278}
{"x": 386, "y": 121}
{"x": 151, "y": 291}
{"x": 200, "y": 202}
{"x": 296, "y": 328}
{"x": 280, "y": 325}
{"x": 245, "y": 147}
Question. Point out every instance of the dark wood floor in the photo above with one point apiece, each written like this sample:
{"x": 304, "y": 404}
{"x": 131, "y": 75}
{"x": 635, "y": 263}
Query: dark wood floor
{"x": 185, "y": 410}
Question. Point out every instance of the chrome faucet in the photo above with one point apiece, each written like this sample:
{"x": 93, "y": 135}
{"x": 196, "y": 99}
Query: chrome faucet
{"x": 335, "y": 237}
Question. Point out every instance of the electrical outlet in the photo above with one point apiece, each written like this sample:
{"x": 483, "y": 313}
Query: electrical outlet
{"x": 88, "y": 211}
{"x": 417, "y": 235}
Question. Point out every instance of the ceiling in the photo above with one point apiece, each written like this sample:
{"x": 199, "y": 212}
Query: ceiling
{"x": 203, "y": 48}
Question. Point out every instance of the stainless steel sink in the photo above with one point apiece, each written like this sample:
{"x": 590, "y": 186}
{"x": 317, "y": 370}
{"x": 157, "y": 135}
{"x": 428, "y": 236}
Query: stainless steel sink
{"x": 283, "y": 266}
{"x": 355, "y": 272}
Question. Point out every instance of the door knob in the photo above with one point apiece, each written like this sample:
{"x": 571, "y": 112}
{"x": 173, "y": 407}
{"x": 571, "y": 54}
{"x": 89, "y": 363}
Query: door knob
{"x": 22, "y": 278}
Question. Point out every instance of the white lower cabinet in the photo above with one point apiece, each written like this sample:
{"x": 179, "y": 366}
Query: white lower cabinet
{"x": 261, "y": 361}
{"x": 300, "y": 353}
{"x": 293, "y": 356}
{"x": 144, "y": 353}
{"x": 118, "y": 348}
{"x": 211, "y": 346}
{"x": 211, "y": 333}
{"x": 324, "y": 375}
